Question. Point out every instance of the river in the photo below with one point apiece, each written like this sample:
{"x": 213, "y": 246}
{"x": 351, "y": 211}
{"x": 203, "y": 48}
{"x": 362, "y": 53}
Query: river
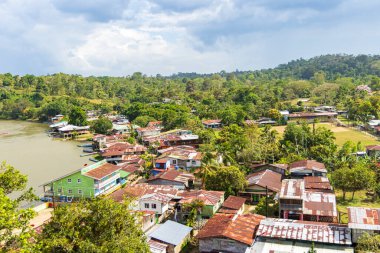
{"x": 27, "y": 147}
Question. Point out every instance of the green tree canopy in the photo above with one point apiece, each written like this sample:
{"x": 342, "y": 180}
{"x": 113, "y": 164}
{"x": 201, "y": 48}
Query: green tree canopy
{"x": 102, "y": 125}
{"x": 77, "y": 116}
{"x": 229, "y": 179}
{"x": 97, "y": 225}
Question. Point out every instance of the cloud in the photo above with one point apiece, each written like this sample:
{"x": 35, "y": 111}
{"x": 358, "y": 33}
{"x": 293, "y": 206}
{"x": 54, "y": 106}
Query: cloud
{"x": 99, "y": 37}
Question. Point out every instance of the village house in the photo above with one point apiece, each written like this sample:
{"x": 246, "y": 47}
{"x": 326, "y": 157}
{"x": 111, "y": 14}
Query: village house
{"x": 70, "y": 131}
{"x": 212, "y": 123}
{"x": 57, "y": 118}
{"x": 176, "y": 137}
{"x": 121, "y": 128}
{"x": 363, "y": 220}
{"x": 304, "y": 168}
{"x": 172, "y": 234}
{"x": 280, "y": 235}
{"x": 261, "y": 184}
{"x": 175, "y": 178}
{"x": 157, "y": 124}
{"x": 148, "y": 131}
{"x": 130, "y": 168}
{"x": 373, "y": 151}
{"x": 229, "y": 233}
{"x": 311, "y": 116}
{"x": 90, "y": 181}
{"x": 119, "y": 151}
{"x": 184, "y": 157}
{"x": 139, "y": 190}
{"x": 310, "y": 199}
{"x": 156, "y": 247}
{"x": 233, "y": 205}
{"x": 279, "y": 168}
{"x": 161, "y": 165}
{"x": 212, "y": 201}
{"x": 100, "y": 141}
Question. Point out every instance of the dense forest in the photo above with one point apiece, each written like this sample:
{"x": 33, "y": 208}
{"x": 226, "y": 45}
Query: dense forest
{"x": 185, "y": 99}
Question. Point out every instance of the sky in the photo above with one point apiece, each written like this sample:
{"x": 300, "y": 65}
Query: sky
{"x": 120, "y": 37}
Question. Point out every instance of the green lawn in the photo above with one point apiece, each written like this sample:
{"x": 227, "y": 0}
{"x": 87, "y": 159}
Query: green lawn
{"x": 360, "y": 199}
{"x": 342, "y": 134}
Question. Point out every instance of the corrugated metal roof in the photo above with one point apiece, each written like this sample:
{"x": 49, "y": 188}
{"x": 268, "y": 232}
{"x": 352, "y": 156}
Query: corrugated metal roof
{"x": 171, "y": 232}
{"x": 307, "y": 165}
{"x": 364, "y": 218}
{"x": 265, "y": 178}
{"x": 305, "y": 231}
{"x": 292, "y": 188}
{"x": 319, "y": 203}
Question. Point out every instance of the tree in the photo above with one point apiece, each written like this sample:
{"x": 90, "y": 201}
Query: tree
{"x": 193, "y": 208}
{"x": 229, "y": 179}
{"x": 274, "y": 114}
{"x": 97, "y": 225}
{"x": 368, "y": 243}
{"x": 340, "y": 178}
{"x": 102, "y": 125}
{"x": 77, "y": 117}
{"x": 362, "y": 178}
{"x": 312, "y": 249}
{"x": 143, "y": 120}
{"x": 261, "y": 207}
{"x": 14, "y": 222}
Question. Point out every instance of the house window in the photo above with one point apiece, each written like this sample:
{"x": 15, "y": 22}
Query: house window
{"x": 59, "y": 189}
{"x": 79, "y": 180}
{"x": 146, "y": 205}
{"x": 174, "y": 161}
{"x": 69, "y": 180}
{"x": 154, "y": 206}
{"x": 70, "y": 191}
{"x": 79, "y": 191}
{"x": 193, "y": 162}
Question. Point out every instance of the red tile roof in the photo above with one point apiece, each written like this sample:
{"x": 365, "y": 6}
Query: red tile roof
{"x": 373, "y": 147}
{"x": 140, "y": 190}
{"x": 173, "y": 175}
{"x": 240, "y": 228}
{"x": 233, "y": 202}
{"x": 208, "y": 197}
{"x": 102, "y": 171}
{"x": 266, "y": 178}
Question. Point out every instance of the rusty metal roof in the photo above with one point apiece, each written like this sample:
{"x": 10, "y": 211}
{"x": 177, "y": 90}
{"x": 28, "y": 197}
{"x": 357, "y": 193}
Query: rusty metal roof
{"x": 292, "y": 188}
{"x": 102, "y": 171}
{"x": 373, "y": 147}
{"x": 140, "y": 190}
{"x": 319, "y": 203}
{"x": 233, "y": 202}
{"x": 307, "y": 165}
{"x": 266, "y": 178}
{"x": 208, "y": 197}
{"x": 240, "y": 228}
{"x": 364, "y": 218}
{"x": 317, "y": 183}
{"x": 173, "y": 175}
{"x": 305, "y": 231}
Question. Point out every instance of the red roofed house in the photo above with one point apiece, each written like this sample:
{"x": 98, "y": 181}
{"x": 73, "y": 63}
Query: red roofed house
{"x": 304, "y": 168}
{"x": 373, "y": 151}
{"x": 229, "y": 233}
{"x": 212, "y": 123}
{"x": 363, "y": 220}
{"x": 259, "y": 183}
{"x": 233, "y": 205}
{"x": 212, "y": 201}
{"x": 117, "y": 152}
{"x": 175, "y": 178}
{"x": 279, "y": 168}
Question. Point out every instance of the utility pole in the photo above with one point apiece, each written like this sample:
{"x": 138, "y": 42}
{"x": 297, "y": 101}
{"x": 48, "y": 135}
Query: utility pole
{"x": 266, "y": 201}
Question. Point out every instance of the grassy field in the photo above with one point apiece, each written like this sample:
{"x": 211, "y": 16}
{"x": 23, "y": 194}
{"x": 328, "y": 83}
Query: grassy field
{"x": 342, "y": 134}
{"x": 360, "y": 199}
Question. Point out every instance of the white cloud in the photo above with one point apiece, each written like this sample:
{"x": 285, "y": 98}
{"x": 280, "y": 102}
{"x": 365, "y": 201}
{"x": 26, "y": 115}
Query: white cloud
{"x": 166, "y": 36}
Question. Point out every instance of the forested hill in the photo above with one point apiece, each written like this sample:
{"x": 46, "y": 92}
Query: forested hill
{"x": 334, "y": 66}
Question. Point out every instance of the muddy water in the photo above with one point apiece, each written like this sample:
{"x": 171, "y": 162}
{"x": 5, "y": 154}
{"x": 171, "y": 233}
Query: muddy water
{"x": 27, "y": 147}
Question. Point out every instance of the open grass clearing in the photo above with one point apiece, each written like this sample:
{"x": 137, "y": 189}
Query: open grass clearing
{"x": 360, "y": 199}
{"x": 342, "y": 134}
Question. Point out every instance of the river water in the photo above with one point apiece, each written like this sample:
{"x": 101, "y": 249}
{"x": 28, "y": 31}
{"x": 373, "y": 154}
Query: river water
{"x": 27, "y": 147}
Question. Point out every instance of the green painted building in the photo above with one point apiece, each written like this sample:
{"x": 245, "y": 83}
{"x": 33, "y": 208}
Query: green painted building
{"x": 91, "y": 181}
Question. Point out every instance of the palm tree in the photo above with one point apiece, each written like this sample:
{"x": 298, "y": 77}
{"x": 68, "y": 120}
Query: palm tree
{"x": 194, "y": 208}
{"x": 208, "y": 165}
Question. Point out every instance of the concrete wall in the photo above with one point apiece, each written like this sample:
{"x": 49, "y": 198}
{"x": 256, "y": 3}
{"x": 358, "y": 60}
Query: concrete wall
{"x": 221, "y": 244}
{"x": 160, "y": 207}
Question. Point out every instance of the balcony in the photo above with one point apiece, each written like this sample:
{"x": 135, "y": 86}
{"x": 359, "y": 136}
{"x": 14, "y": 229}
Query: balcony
{"x": 101, "y": 184}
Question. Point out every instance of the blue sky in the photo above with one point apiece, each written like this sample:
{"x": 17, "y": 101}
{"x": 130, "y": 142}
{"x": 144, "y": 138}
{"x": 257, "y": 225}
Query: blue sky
{"x": 119, "y": 37}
